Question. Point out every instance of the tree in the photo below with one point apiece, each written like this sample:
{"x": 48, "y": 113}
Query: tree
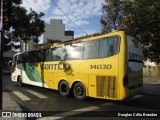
{"x": 51, "y": 41}
{"x": 48, "y": 43}
{"x": 111, "y": 15}
{"x": 139, "y": 17}
{"x": 26, "y": 24}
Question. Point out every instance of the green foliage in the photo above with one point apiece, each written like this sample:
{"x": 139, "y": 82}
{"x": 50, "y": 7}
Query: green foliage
{"x": 111, "y": 15}
{"x": 139, "y": 17}
{"x": 50, "y": 41}
{"x": 26, "y": 24}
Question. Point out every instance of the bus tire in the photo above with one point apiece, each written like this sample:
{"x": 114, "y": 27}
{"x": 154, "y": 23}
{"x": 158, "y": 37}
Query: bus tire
{"x": 64, "y": 89}
{"x": 20, "y": 81}
{"x": 79, "y": 91}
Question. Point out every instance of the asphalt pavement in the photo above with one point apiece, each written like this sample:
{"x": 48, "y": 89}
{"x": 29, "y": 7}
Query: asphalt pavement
{"x": 151, "y": 86}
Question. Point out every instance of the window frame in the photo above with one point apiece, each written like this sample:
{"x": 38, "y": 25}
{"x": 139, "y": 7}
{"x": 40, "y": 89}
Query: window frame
{"x": 118, "y": 49}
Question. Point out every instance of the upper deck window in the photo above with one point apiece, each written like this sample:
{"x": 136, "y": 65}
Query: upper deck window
{"x": 74, "y": 51}
{"x": 108, "y": 46}
{"x": 58, "y": 53}
{"x": 91, "y": 49}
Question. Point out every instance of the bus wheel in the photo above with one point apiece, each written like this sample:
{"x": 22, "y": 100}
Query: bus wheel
{"x": 64, "y": 89}
{"x": 20, "y": 81}
{"x": 79, "y": 91}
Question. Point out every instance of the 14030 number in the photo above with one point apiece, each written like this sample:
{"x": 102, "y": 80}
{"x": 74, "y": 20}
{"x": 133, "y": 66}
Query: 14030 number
{"x": 101, "y": 66}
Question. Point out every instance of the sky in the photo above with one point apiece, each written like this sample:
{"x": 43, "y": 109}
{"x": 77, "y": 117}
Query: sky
{"x": 85, "y": 14}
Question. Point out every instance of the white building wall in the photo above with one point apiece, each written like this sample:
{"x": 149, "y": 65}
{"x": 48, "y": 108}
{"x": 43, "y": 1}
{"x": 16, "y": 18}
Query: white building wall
{"x": 22, "y": 46}
{"x": 30, "y": 45}
{"x": 55, "y": 31}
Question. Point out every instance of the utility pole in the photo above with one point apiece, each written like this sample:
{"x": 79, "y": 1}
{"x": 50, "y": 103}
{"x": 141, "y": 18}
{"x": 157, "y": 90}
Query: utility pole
{"x": 5, "y": 25}
{"x": 1, "y": 54}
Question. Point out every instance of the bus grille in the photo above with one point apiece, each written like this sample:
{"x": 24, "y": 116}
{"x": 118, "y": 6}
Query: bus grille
{"x": 106, "y": 86}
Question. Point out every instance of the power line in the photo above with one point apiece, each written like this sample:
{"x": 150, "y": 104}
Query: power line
{"x": 68, "y": 17}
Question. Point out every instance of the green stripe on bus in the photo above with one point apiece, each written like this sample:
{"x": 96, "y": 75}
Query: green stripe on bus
{"x": 32, "y": 72}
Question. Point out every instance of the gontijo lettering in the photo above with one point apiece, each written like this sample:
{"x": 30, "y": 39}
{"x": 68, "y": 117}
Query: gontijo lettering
{"x": 51, "y": 67}
{"x": 135, "y": 56}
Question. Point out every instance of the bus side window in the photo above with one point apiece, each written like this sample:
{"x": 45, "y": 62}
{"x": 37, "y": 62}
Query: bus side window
{"x": 26, "y": 58}
{"x": 103, "y": 48}
{"x": 74, "y": 51}
{"x": 108, "y": 46}
{"x": 44, "y": 55}
{"x": 41, "y": 55}
{"x": 47, "y": 55}
{"x": 114, "y": 45}
{"x": 91, "y": 49}
{"x": 37, "y": 56}
{"x": 32, "y": 57}
{"x": 58, "y": 54}
{"x": 14, "y": 63}
{"x": 22, "y": 58}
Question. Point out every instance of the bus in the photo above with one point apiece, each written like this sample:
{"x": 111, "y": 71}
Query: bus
{"x": 108, "y": 66}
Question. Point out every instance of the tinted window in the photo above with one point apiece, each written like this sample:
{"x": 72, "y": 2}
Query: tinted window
{"x": 36, "y": 56}
{"x": 39, "y": 56}
{"x": 23, "y": 58}
{"x": 32, "y": 57}
{"x": 14, "y": 63}
{"x": 108, "y": 46}
{"x": 74, "y": 51}
{"x": 46, "y": 55}
{"x": 91, "y": 49}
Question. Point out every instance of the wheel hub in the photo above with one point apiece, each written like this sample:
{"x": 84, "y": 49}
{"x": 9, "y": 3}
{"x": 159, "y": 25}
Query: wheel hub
{"x": 79, "y": 91}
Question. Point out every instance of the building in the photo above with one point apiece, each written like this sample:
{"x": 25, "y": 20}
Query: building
{"x": 30, "y": 45}
{"x": 56, "y": 31}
